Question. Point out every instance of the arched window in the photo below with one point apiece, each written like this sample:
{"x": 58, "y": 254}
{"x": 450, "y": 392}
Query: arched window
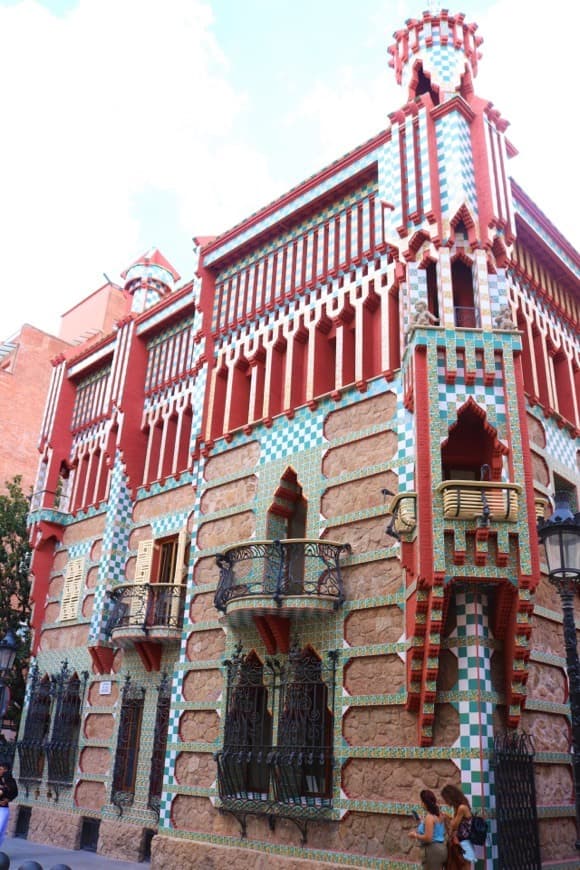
{"x": 472, "y": 451}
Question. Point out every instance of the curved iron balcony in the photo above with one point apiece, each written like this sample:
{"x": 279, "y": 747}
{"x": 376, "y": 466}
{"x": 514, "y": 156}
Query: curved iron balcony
{"x": 480, "y": 499}
{"x": 278, "y": 576}
{"x": 141, "y": 611}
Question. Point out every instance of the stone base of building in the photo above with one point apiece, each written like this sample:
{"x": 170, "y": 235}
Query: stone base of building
{"x": 171, "y": 853}
{"x": 47, "y": 825}
{"x": 119, "y": 840}
{"x": 122, "y": 841}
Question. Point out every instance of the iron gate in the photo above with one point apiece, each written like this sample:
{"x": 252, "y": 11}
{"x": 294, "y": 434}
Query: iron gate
{"x": 515, "y": 802}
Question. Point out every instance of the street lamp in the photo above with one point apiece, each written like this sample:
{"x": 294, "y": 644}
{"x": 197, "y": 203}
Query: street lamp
{"x": 8, "y": 646}
{"x": 560, "y": 535}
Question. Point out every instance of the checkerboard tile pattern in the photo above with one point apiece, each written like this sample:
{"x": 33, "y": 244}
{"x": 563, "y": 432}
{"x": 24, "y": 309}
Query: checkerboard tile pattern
{"x": 115, "y": 546}
{"x": 474, "y": 688}
{"x": 560, "y": 445}
{"x": 456, "y": 172}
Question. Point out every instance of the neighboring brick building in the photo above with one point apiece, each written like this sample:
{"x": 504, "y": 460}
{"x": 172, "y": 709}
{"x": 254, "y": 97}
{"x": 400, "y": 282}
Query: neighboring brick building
{"x": 25, "y": 373}
{"x": 357, "y": 407}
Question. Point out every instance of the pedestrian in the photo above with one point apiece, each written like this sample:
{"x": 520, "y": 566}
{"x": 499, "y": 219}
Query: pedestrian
{"x": 8, "y": 791}
{"x": 430, "y": 833}
{"x": 460, "y": 825}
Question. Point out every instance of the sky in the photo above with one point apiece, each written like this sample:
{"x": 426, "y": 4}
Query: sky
{"x": 129, "y": 124}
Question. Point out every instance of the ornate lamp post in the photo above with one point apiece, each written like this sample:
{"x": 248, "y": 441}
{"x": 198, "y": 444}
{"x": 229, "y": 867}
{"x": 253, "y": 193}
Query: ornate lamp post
{"x": 560, "y": 535}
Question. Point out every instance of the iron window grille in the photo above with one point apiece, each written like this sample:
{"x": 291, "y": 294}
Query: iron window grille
{"x": 286, "y": 772}
{"x": 243, "y": 773}
{"x": 128, "y": 740}
{"x": 57, "y": 699}
{"x": 159, "y": 744}
{"x": 518, "y": 838}
{"x": 67, "y": 690}
{"x": 31, "y": 749}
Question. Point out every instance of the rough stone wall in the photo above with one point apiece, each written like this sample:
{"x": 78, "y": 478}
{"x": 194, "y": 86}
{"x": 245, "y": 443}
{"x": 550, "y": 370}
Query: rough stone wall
{"x": 361, "y": 415}
{"x": 90, "y": 528}
{"x": 55, "y": 827}
{"x": 380, "y": 577}
{"x": 169, "y": 853}
{"x": 95, "y": 759}
{"x": 228, "y": 495}
{"x": 174, "y": 500}
{"x": 120, "y": 840}
{"x": 360, "y": 453}
{"x": 232, "y": 461}
{"x": 90, "y": 795}
{"x": 197, "y": 725}
{"x": 64, "y": 637}
{"x": 221, "y": 532}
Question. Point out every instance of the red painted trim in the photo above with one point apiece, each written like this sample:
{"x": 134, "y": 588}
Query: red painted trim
{"x": 521, "y": 197}
{"x": 528, "y": 469}
{"x": 102, "y": 658}
{"x": 424, "y": 481}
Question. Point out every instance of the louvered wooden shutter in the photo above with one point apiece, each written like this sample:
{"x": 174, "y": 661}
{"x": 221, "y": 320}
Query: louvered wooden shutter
{"x": 178, "y": 578}
{"x": 144, "y": 561}
{"x": 138, "y": 605}
{"x": 180, "y": 568}
{"x": 71, "y": 592}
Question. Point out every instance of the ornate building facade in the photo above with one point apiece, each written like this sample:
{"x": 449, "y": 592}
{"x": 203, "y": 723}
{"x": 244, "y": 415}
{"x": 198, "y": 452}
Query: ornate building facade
{"x": 293, "y": 566}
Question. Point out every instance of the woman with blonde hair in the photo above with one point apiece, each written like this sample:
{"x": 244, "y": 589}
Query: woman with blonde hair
{"x": 460, "y": 826}
{"x": 431, "y": 833}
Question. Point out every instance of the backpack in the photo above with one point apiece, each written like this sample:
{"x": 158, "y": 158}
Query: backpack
{"x": 479, "y": 829}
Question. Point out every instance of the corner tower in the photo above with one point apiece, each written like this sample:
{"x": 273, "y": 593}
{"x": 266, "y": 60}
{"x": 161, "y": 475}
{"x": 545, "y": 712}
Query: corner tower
{"x": 465, "y": 505}
{"x": 149, "y": 279}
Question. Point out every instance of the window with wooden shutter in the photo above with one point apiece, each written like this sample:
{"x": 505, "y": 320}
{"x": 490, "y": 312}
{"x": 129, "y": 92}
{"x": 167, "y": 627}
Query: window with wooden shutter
{"x": 138, "y": 604}
{"x": 180, "y": 563}
{"x": 71, "y": 592}
{"x": 144, "y": 561}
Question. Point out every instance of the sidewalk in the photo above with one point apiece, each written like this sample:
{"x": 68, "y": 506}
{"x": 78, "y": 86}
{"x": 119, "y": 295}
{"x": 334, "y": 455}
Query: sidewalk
{"x": 19, "y": 851}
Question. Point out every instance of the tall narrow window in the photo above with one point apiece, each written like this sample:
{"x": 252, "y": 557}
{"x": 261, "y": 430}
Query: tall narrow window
{"x": 303, "y": 757}
{"x": 286, "y": 520}
{"x": 243, "y": 772}
{"x": 61, "y": 749}
{"x": 36, "y": 727}
{"x": 128, "y": 740}
{"x": 466, "y": 314}
{"x": 159, "y": 744}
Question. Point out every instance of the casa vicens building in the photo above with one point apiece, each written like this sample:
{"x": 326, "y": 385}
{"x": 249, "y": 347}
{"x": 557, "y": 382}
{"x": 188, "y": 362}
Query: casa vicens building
{"x": 286, "y": 569}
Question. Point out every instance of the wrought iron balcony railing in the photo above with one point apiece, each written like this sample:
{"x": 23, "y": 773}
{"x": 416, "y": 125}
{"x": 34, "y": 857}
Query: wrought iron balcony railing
{"x": 473, "y": 499}
{"x": 466, "y": 318}
{"x": 281, "y": 569}
{"x": 145, "y": 607}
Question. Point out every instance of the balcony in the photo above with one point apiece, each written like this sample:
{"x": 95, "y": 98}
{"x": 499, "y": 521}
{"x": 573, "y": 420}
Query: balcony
{"x": 145, "y": 611}
{"x": 466, "y": 318}
{"x": 280, "y": 578}
{"x": 488, "y": 501}
{"x": 403, "y": 508}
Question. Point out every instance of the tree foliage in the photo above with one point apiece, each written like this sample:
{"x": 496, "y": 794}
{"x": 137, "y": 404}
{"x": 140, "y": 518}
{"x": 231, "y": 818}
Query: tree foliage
{"x": 15, "y": 585}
